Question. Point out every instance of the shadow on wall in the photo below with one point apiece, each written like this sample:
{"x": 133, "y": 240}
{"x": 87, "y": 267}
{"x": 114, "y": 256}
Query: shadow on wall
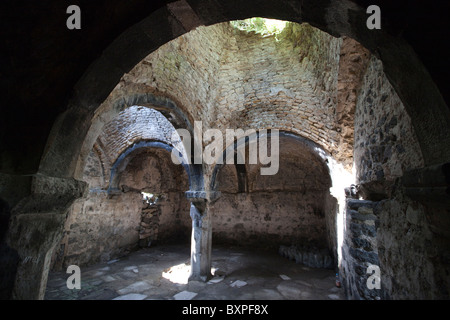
{"x": 9, "y": 258}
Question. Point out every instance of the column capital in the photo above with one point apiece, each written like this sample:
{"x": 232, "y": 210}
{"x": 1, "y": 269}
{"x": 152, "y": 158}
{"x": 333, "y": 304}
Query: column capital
{"x": 202, "y": 196}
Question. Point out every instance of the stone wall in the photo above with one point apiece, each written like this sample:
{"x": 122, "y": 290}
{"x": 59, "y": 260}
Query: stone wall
{"x": 95, "y": 172}
{"x": 269, "y": 219}
{"x": 399, "y": 235}
{"x": 360, "y": 250}
{"x": 152, "y": 171}
{"x": 288, "y": 208}
{"x": 385, "y": 142}
{"x": 165, "y": 221}
{"x": 353, "y": 61}
{"x": 413, "y": 253}
{"x": 331, "y": 209}
{"x": 99, "y": 229}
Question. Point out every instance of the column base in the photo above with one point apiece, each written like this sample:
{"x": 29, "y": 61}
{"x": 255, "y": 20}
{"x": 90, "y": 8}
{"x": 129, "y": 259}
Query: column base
{"x": 200, "y": 278}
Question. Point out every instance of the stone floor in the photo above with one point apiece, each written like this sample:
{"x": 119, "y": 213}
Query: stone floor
{"x": 161, "y": 272}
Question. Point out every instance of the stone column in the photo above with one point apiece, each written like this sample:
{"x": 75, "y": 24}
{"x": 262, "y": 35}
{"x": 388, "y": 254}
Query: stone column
{"x": 201, "y": 234}
{"x": 36, "y": 228}
{"x": 34, "y": 237}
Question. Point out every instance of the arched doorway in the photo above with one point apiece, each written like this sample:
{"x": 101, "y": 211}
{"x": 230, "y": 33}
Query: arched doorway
{"x": 293, "y": 207}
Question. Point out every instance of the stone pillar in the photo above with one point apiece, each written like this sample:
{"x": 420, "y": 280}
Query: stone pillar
{"x": 36, "y": 228}
{"x": 201, "y": 239}
{"x": 34, "y": 237}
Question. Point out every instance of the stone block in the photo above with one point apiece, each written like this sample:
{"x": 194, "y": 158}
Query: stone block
{"x": 131, "y": 296}
{"x": 185, "y": 295}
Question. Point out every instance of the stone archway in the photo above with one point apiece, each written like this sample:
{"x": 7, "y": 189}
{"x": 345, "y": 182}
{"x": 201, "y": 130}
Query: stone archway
{"x": 293, "y": 207}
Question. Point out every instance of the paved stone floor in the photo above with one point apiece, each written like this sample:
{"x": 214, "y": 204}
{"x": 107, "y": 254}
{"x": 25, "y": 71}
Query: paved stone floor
{"x": 161, "y": 272}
